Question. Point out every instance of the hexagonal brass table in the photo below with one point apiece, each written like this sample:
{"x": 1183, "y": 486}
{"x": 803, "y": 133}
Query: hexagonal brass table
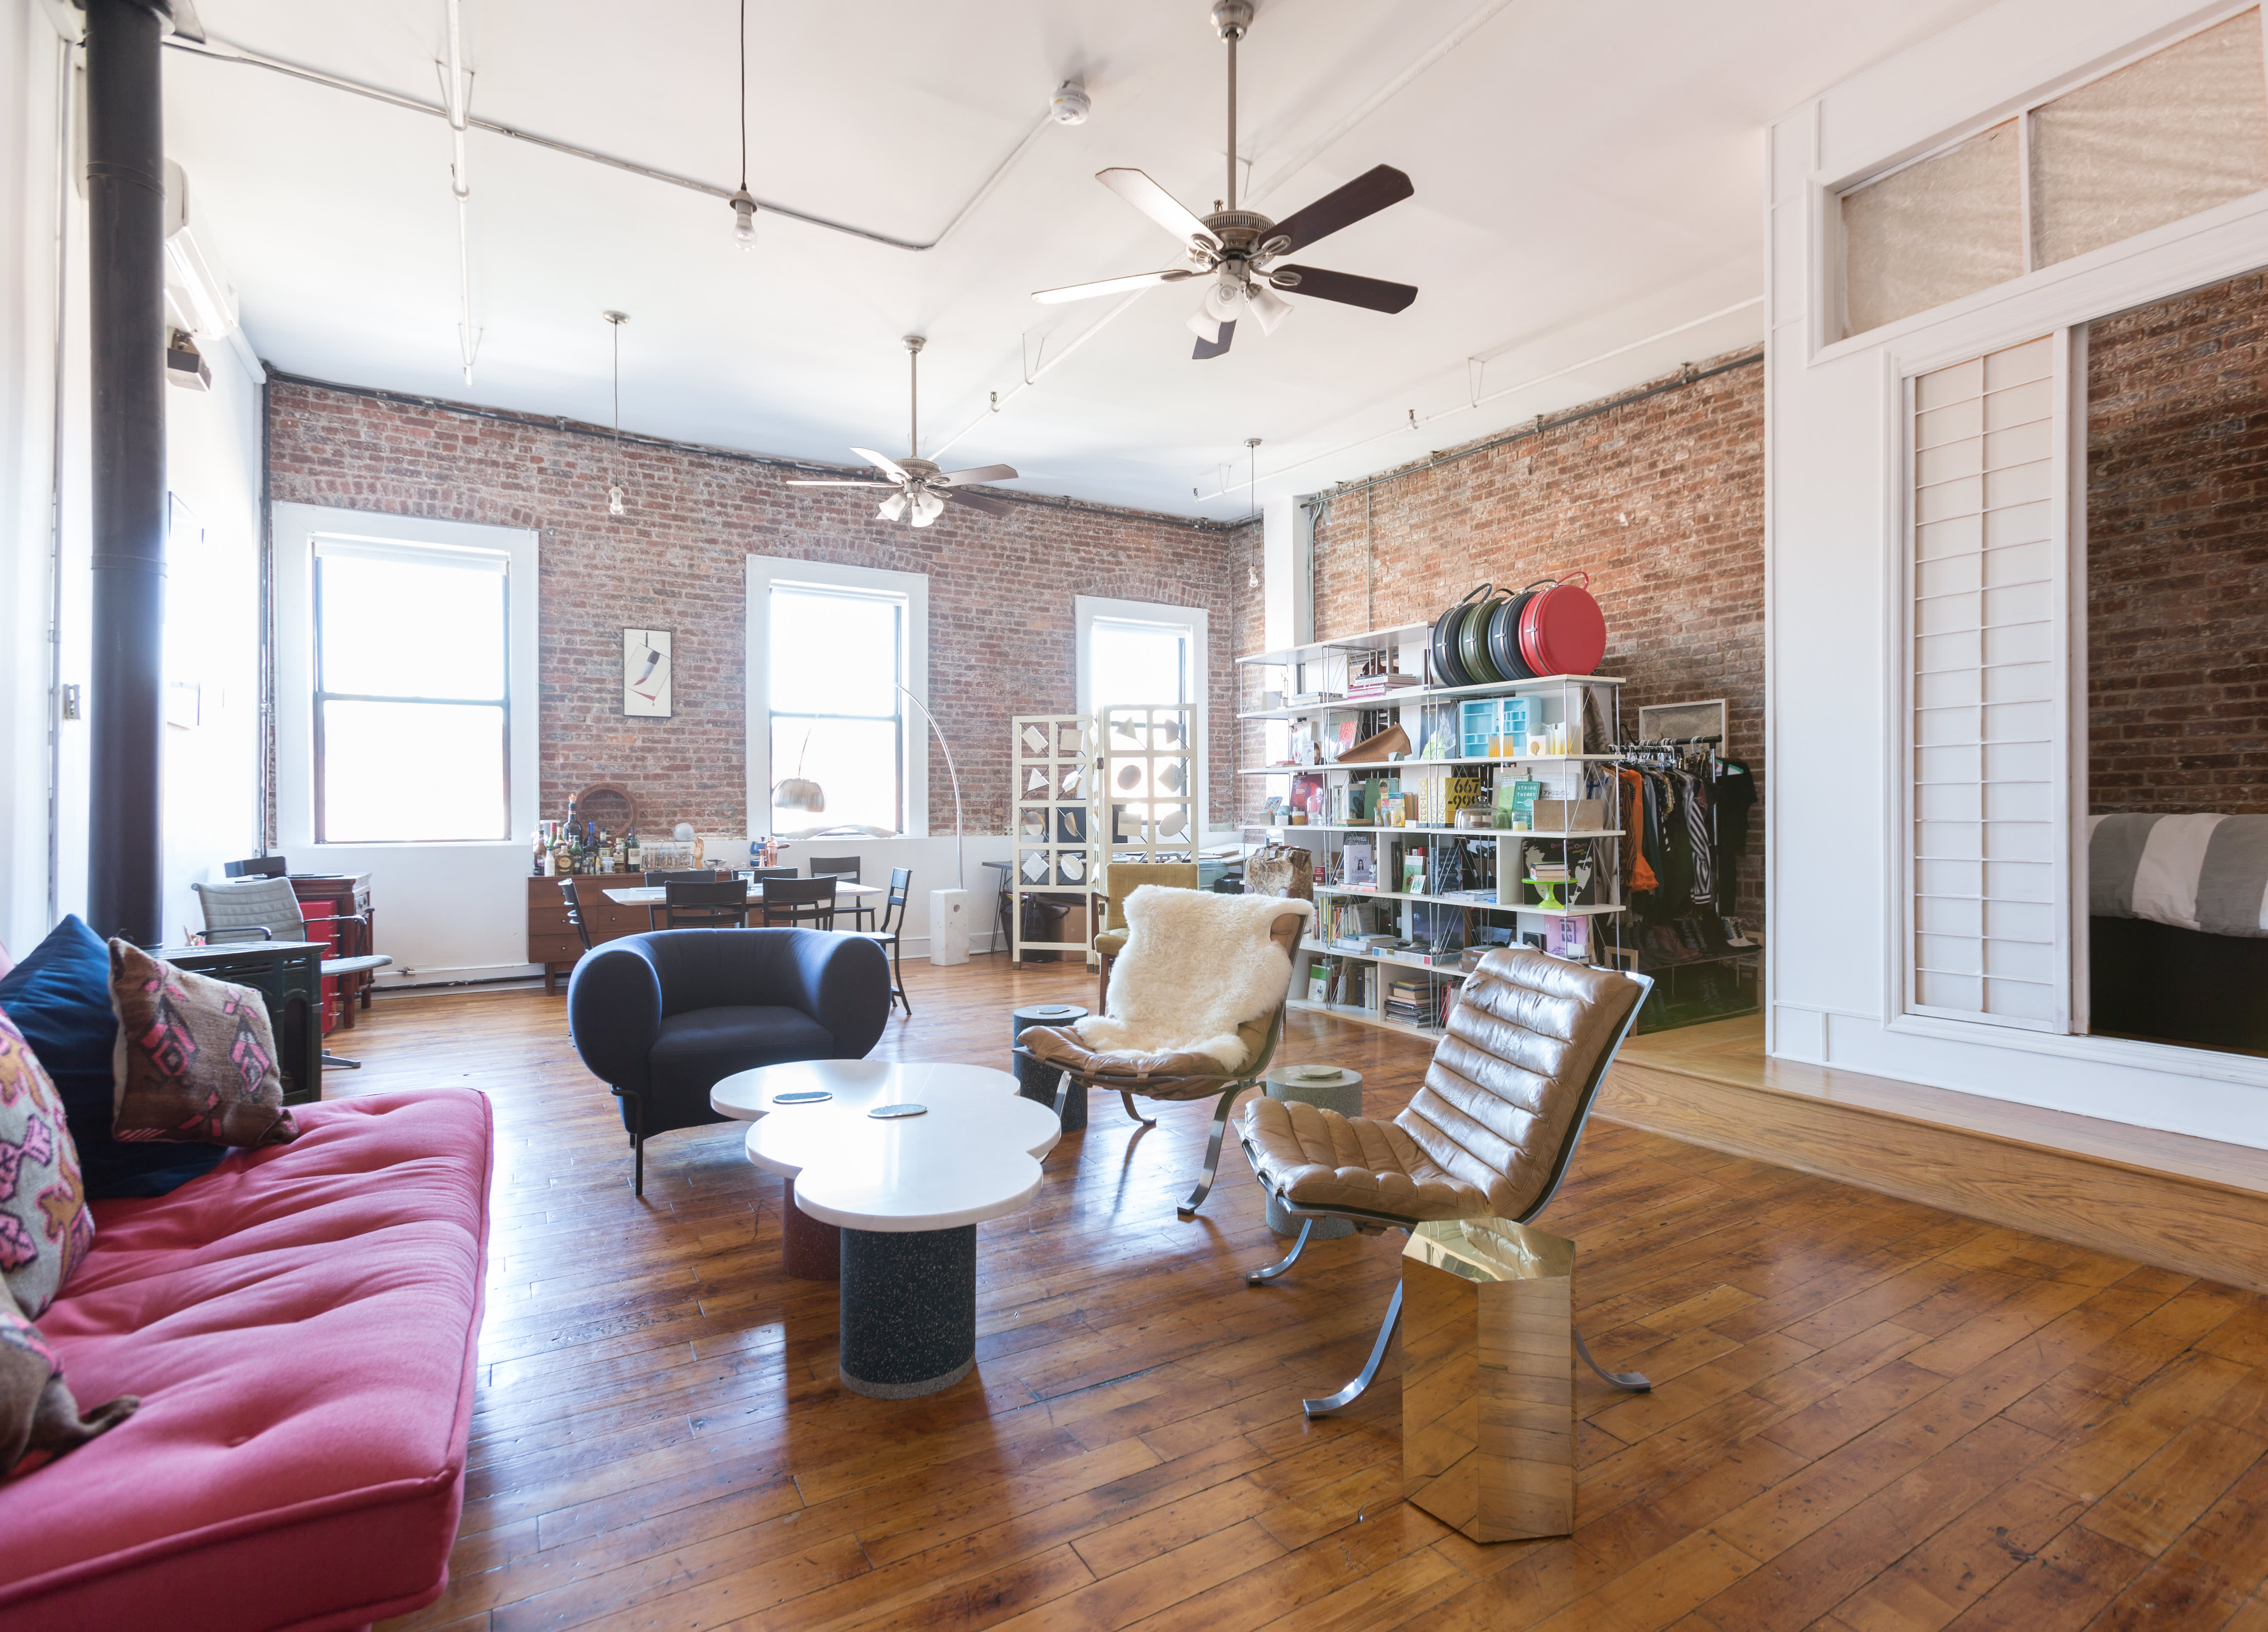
{"x": 1488, "y": 1384}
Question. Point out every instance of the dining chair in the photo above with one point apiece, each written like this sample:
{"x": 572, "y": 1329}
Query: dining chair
{"x": 891, "y": 926}
{"x": 267, "y": 909}
{"x": 791, "y": 903}
{"x": 707, "y": 903}
{"x": 575, "y": 911}
{"x": 663, "y": 880}
{"x": 845, "y": 870}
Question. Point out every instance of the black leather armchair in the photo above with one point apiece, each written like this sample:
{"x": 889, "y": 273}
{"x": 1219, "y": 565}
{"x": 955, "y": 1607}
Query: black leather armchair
{"x": 662, "y": 1017}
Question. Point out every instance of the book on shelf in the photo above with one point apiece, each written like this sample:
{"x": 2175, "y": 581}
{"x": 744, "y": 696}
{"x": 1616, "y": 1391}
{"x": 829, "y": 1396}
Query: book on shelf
{"x": 1310, "y": 699}
{"x": 1378, "y": 685}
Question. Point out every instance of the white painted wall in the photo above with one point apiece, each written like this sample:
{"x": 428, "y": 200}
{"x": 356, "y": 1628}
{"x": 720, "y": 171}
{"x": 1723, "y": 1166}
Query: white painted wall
{"x": 1835, "y": 551}
{"x": 212, "y": 769}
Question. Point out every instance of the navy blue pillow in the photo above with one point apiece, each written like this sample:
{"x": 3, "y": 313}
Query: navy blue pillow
{"x": 59, "y": 997}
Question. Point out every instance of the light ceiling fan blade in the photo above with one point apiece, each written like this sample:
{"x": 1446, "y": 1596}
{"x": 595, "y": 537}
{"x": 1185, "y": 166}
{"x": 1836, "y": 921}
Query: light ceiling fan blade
{"x": 837, "y": 484}
{"x": 976, "y": 500}
{"x": 1159, "y": 205}
{"x": 981, "y": 473}
{"x": 1214, "y": 347}
{"x": 1110, "y": 286}
{"x": 1347, "y": 289}
{"x": 1366, "y": 195}
{"x": 883, "y": 462}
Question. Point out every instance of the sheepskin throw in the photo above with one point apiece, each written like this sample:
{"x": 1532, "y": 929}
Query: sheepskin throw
{"x": 1196, "y": 965}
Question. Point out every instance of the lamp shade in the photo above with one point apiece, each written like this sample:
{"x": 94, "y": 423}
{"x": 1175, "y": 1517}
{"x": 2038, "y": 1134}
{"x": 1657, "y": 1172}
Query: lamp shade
{"x": 799, "y": 793}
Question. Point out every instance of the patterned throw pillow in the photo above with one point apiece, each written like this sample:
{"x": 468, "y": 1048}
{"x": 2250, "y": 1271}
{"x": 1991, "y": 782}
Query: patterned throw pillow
{"x": 45, "y": 1227}
{"x": 195, "y": 1057}
{"x": 37, "y": 1409}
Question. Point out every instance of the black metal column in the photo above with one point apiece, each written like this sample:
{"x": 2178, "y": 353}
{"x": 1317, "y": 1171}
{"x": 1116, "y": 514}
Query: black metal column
{"x": 126, "y": 208}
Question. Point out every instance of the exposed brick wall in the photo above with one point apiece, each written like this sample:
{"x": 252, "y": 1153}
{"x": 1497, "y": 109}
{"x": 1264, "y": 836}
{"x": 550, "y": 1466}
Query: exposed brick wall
{"x": 1001, "y": 638}
{"x": 2177, "y": 553}
{"x": 1660, "y": 500}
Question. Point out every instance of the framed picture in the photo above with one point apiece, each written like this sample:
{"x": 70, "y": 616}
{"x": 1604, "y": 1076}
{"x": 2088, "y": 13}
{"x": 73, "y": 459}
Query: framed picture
{"x": 645, "y": 673}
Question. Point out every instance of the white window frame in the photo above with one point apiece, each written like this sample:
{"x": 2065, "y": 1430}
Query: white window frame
{"x": 1088, "y": 610}
{"x": 911, "y": 589}
{"x": 295, "y": 529}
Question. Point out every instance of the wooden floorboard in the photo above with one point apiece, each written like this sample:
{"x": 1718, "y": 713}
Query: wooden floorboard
{"x": 1870, "y": 1416}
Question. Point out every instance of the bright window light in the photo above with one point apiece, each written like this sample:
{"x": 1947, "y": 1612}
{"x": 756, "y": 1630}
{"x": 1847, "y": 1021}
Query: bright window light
{"x": 836, "y": 657}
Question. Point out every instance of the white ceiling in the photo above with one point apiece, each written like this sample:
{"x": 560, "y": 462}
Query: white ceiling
{"x": 1588, "y": 177}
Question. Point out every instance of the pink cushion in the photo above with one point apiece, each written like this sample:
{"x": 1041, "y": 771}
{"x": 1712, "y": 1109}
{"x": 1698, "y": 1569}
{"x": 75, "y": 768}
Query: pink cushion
{"x": 301, "y": 1325}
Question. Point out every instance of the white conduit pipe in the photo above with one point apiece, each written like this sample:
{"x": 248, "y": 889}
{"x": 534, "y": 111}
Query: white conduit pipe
{"x": 459, "y": 91}
{"x": 1416, "y": 421}
{"x": 1377, "y": 99}
{"x": 1032, "y": 376}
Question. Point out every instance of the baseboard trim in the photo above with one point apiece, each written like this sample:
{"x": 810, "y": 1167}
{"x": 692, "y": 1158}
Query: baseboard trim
{"x": 1908, "y": 1141}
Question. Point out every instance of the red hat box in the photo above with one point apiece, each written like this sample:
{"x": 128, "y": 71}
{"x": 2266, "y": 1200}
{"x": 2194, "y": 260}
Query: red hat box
{"x": 1562, "y": 631}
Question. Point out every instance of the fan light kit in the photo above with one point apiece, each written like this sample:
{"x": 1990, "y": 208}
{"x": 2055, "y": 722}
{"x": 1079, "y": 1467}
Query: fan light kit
{"x": 921, "y": 487}
{"x": 1240, "y": 248}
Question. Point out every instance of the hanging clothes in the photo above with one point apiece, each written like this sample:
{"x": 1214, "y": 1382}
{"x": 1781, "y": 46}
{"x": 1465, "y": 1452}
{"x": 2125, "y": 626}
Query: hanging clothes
{"x": 1736, "y": 797}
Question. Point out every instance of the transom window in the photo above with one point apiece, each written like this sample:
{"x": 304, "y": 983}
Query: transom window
{"x": 412, "y": 699}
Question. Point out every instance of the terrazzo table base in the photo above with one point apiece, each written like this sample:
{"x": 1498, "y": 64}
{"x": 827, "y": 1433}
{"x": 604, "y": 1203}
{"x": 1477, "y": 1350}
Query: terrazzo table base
{"x": 1341, "y": 1093}
{"x": 908, "y": 1315}
{"x": 1036, "y": 1082}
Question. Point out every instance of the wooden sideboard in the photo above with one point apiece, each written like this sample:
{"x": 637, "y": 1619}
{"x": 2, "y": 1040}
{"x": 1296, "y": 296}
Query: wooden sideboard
{"x": 551, "y": 939}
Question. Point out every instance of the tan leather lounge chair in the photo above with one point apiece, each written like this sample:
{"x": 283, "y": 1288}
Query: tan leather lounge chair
{"x": 1189, "y": 1076}
{"x": 1120, "y": 880}
{"x": 1490, "y": 1133}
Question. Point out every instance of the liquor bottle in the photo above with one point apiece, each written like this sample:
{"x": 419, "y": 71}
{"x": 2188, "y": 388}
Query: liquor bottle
{"x": 631, "y": 851}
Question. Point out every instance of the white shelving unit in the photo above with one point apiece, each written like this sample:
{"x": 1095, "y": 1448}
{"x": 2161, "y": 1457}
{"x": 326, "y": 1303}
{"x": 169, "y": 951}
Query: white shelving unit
{"x": 1403, "y": 990}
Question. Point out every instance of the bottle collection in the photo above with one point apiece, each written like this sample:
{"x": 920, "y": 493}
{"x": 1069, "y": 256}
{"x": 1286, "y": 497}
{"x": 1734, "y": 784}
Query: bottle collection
{"x": 575, "y": 847}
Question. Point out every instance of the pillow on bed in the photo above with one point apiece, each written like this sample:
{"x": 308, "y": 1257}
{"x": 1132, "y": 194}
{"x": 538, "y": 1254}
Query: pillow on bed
{"x": 195, "y": 1057}
{"x": 45, "y": 1227}
{"x": 59, "y": 997}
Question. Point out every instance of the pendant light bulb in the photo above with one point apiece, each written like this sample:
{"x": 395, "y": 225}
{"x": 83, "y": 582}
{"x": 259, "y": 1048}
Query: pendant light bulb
{"x": 744, "y": 219}
{"x": 614, "y": 502}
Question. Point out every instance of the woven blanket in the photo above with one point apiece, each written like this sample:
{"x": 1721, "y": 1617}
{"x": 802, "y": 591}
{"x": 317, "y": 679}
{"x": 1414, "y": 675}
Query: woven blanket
{"x": 2194, "y": 872}
{"x": 1196, "y": 965}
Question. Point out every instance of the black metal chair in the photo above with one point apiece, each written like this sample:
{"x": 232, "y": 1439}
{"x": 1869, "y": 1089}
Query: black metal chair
{"x": 1004, "y": 907}
{"x": 575, "y": 911}
{"x": 708, "y": 903}
{"x": 845, "y": 870}
{"x": 769, "y": 872}
{"x": 798, "y": 903}
{"x": 663, "y": 880}
{"x": 893, "y": 924}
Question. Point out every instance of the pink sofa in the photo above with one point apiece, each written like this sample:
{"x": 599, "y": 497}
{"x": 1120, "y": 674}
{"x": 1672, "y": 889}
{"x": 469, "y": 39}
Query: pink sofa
{"x": 301, "y": 1325}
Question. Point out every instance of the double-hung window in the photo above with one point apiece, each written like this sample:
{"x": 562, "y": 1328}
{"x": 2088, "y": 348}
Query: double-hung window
{"x": 836, "y": 661}
{"x": 412, "y": 704}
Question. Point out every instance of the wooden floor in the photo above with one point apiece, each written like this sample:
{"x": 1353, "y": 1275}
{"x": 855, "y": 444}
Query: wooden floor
{"x": 1869, "y": 1415}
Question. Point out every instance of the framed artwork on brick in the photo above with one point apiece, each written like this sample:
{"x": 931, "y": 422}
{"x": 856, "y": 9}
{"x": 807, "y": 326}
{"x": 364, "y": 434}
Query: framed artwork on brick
{"x": 645, "y": 673}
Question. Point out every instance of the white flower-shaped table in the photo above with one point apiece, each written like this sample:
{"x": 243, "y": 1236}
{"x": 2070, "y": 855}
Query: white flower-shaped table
{"x": 907, "y": 1193}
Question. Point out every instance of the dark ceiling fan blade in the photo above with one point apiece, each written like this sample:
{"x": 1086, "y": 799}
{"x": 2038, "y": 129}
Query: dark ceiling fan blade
{"x": 1110, "y": 285}
{"x": 1215, "y": 347}
{"x": 1366, "y": 195}
{"x": 1159, "y": 205}
{"x": 1348, "y": 290}
{"x": 884, "y": 463}
{"x": 838, "y": 484}
{"x": 982, "y": 472}
{"x": 975, "y": 501}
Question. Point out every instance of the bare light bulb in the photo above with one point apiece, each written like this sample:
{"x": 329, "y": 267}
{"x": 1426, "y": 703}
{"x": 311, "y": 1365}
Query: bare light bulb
{"x": 614, "y": 502}
{"x": 744, "y": 219}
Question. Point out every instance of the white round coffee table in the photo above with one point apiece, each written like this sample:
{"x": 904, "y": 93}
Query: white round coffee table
{"x": 906, "y": 1193}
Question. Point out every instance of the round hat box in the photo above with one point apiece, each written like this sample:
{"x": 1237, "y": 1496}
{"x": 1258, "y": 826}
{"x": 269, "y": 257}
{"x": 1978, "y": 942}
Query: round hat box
{"x": 1562, "y": 631}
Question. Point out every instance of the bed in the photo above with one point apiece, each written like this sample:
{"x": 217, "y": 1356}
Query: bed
{"x": 2177, "y": 931}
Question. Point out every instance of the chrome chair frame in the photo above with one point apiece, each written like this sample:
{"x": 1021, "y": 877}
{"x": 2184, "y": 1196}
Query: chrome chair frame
{"x": 1631, "y": 1382}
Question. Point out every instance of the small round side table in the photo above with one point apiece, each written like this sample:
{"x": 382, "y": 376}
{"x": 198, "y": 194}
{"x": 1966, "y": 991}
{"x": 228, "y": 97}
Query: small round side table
{"x": 1341, "y": 1092}
{"x": 1036, "y": 1082}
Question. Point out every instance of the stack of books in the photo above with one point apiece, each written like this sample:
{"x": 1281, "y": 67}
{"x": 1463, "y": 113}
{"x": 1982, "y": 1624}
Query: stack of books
{"x": 1309, "y": 699}
{"x": 1378, "y": 685}
{"x": 1412, "y": 1002}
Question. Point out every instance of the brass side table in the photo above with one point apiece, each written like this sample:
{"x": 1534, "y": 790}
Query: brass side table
{"x": 1488, "y": 1381}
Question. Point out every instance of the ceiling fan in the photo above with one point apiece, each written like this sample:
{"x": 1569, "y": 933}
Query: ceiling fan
{"x": 920, "y": 488}
{"x": 1241, "y": 247}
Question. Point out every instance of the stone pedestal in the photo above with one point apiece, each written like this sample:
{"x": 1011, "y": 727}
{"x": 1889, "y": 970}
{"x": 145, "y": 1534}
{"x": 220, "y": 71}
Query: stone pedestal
{"x": 948, "y": 926}
{"x": 1341, "y": 1093}
{"x": 1038, "y": 1082}
{"x": 1488, "y": 1382}
{"x": 908, "y": 1311}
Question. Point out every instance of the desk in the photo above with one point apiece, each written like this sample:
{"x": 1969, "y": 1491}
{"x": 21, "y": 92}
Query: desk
{"x": 289, "y": 975}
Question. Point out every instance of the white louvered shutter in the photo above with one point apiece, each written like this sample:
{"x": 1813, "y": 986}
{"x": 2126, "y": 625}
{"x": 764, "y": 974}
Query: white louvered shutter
{"x": 1986, "y": 646}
